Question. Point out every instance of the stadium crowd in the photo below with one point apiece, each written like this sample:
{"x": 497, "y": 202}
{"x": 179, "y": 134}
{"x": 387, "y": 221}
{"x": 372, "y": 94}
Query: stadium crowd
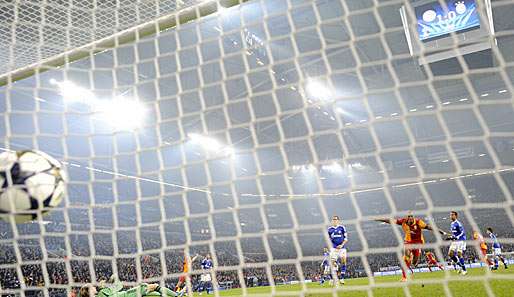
{"x": 77, "y": 266}
{"x": 151, "y": 269}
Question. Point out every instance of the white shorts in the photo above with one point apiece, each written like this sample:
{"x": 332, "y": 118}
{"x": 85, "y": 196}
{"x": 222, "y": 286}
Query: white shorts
{"x": 206, "y": 277}
{"x": 326, "y": 269}
{"x": 458, "y": 246}
{"x": 497, "y": 251}
{"x": 336, "y": 254}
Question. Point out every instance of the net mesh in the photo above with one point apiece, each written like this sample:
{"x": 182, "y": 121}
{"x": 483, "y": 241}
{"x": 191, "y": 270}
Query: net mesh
{"x": 241, "y": 132}
{"x": 34, "y": 31}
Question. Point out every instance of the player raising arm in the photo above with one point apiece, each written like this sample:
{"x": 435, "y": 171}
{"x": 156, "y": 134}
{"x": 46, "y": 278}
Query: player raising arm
{"x": 413, "y": 229}
{"x": 497, "y": 249}
{"x": 338, "y": 238}
{"x": 181, "y": 285}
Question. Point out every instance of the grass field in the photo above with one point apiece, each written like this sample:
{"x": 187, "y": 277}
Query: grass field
{"x": 422, "y": 285}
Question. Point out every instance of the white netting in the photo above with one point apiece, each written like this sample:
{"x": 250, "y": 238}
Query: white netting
{"x": 33, "y": 31}
{"x": 260, "y": 121}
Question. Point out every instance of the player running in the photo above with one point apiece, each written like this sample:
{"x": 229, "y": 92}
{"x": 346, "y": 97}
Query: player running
{"x": 497, "y": 250}
{"x": 432, "y": 261}
{"x": 458, "y": 245}
{"x": 205, "y": 278}
{"x": 325, "y": 267}
{"x": 413, "y": 229}
{"x": 338, "y": 238}
{"x": 483, "y": 248}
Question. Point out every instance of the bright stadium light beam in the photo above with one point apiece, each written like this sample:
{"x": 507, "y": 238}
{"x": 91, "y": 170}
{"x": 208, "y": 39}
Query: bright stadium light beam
{"x": 318, "y": 90}
{"x": 211, "y": 144}
{"x": 73, "y": 93}
{"x": 122, "y": 114}
{"x": 333, "y": 168}
{"x": 207, "y": 142}
{"x": 343, "y": 112}
{"x": 357, "y": 166}
{"x": 228, "y": 151}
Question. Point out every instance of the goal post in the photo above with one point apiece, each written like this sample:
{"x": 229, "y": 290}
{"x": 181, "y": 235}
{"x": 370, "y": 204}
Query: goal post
{"x": 238, "y": 129}
{"x": 182, "y": 15}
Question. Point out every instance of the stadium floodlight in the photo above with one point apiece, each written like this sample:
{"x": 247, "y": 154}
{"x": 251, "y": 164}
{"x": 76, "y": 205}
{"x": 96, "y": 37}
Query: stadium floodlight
{"x": 318, "y": 90}
{"x": 357, "y": 165}
{"x": 211, "y": 144}
{"x": 204, "y": 141}
{"x": 296, "y": 168}
{"x": 304, "y": 169}
{"x": 343, "y": 112}
{"x": 309, "y": 168}
{"x": 70, "y": 92}
{"x": 333, "y": 167}
{"x": 228, "y": 151}
{"x": 121, "y": 113}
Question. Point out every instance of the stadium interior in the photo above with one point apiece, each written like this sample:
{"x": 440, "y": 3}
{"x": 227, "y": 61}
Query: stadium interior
{"x": 240, "y": 131}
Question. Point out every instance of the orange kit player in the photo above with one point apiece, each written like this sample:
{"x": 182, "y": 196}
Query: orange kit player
{"x": 483, "y": 247}
{"x": 432, "y": 261}
{"x": 413, "y": 229}
{"x": 181, "y": 285}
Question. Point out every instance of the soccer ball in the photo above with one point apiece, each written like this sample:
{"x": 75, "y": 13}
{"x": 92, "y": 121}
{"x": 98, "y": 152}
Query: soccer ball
{"x": 31, "y": 182}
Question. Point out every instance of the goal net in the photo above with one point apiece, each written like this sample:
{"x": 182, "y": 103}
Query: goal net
{"x": 239, "y": 128}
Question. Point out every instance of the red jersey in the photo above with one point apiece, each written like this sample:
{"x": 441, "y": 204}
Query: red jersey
{"x": 430, "y": 258}
{"x": 185, "y": 267}
{"x": 182, "y": 279}
{"x": 480, "y": 240}
{"x": 414, "y": 231}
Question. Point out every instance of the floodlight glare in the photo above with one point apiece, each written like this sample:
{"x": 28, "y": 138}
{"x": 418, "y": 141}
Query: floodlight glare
{"x": 207, "y": 142}
{"x": 211, "y": 144}
{"x": 340, "y": 110}
{"x": 357, "y": 165}
{"x": 70, "y": 92}
{"x": 229, "y": 151}
{"x": 333, "y": 168}
{"x": 121, "y": 114}
{"x": 318, "y": 90}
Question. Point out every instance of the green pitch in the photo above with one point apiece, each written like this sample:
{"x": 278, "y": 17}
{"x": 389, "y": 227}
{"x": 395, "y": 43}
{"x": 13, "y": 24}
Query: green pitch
{"x": 422, "y": 285}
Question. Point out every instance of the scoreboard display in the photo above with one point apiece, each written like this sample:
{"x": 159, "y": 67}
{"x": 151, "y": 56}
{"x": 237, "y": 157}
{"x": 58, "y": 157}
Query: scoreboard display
{"x": 440, "y": 18}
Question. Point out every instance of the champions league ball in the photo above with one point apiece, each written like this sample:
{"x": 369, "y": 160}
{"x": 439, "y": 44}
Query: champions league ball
{"x": 31, "y": 182}
{"x": 460, "y": 7}
{"x": 429, "y": 16}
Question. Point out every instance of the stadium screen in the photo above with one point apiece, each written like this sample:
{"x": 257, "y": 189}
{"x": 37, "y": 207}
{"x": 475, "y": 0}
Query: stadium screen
{"x": 436, "y": 20}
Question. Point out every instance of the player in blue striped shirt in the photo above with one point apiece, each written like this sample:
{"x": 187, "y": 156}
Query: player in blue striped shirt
{"x": 458, "y": 246}
{"x": 338, "y": 238}
{"x": 325, "y": 267}
{"x": 497, "y": 249}
{"x": 205, "y": 278}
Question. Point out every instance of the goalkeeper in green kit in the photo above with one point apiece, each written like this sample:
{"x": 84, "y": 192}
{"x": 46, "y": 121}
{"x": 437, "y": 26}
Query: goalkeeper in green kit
{"x": 115, "y": 289}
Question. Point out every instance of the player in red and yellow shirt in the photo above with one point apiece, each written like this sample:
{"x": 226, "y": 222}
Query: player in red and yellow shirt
{"x": 413, "y": 229}
{"x": 181, "y": 285}
{"x": 432, "y": 261}
{"x": 483, "y": 247}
